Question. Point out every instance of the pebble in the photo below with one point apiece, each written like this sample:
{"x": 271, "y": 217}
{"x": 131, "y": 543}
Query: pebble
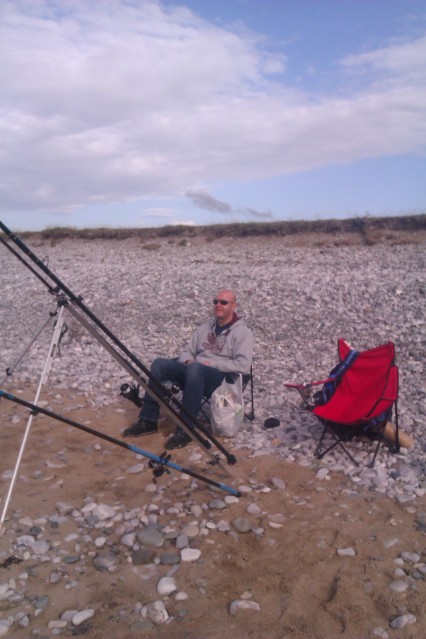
{"x": 190, "y": 554}
{"x": 242, "y": 604}
{"x": 403, "y": 620}
{"x": 82, "y": 616}
{"x": 322, "y": 473}
{"x": 278, "y": 483}
{"x": 411, "y": 557}
{"x": 157, "y": 612}
{"x": 150, "y": 536}
{"x": 242, "y": 524}
{"x": 253, "y": 509}
{"x": 346, "y": 552}
{"x": 166, "y": 586}
{"x": 398, "y": 586}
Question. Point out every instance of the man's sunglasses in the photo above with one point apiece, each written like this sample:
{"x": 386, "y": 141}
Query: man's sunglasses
{"x": 223, "y": 302}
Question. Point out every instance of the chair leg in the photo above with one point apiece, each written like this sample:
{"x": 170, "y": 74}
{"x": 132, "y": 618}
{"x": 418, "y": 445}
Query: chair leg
{"x": 319, "y": 454}
{"x": 394, "y": 448}
{"x": 250, "y": 414}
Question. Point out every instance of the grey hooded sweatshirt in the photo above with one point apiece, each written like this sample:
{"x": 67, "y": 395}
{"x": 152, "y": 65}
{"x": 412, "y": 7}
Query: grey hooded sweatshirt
{"x": 231, "y": 351}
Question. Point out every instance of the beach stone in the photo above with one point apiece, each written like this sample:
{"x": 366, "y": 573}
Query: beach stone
{"x": 40, "y": 547}
{"x": 242, "y": 524}
{"x": 399, "y": 572}
{"x": 181, "y": 596}
{"x": 142, "y": 556}
{"x": 217, "y": 504}
{"x": 157, "y": 612}
{"x": 100, "y": 541}
{"x": 253, "y": 509}
{"x": 191, "y": 531}
{"x": 103, "y": 512}
{"x": 71, "y": 537}
{"x": 190, "y": 554}
{"x": 41, "y": 602}
{"x": 243, "y": 604}
{"x": 136, "y": 468}
{"x": 278, "y": 483}
{"x": 166, "y": 586}
{"x": 398, "y": 586}
{"x": 82, "y": 616}
{"x": 322, "y": 473}
{"x": 403, "y": 620}
{"x": 169, "y": 558}
{"x": 57, "y": 623}
{"x": 4, "y": 627}
{"x": 411, "y": 557}
{"x": 182, "y": 541}
{"x": 128, "y": 540}
{"x": 67, "y": 615}
{"x": 150, "y": 536}
{"x": 346, "y": 552}
{"x": 105, "y": 561}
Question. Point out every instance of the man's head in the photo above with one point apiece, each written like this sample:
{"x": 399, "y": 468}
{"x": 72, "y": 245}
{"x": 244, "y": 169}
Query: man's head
{"x": 224, "y": 306}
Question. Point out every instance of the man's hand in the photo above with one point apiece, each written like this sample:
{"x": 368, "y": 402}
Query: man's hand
{"x": 188, "y": 362}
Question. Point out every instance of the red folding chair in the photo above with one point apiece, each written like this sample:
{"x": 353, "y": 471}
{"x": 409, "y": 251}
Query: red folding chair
{"x": 356, "y": 399}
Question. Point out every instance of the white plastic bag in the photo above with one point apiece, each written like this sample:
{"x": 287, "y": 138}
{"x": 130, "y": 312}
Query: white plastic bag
{"x": 227, "y": 408}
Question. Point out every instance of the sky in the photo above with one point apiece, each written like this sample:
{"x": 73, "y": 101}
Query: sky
{"x": 145, "y": 113}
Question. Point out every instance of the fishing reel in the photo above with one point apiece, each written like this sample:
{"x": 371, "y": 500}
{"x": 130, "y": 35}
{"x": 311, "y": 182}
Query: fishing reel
{"x": 172, "y": 387}
{"x": 159, "y": 467}
{"x": 131, "y": 392}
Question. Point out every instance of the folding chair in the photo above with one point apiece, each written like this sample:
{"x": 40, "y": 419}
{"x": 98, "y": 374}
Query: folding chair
{"x": 356, "y": 399}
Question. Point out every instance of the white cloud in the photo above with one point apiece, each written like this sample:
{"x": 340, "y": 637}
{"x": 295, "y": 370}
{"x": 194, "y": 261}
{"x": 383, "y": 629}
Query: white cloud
{"x": 403, "y": 58}
{"x": 113, "y": 101}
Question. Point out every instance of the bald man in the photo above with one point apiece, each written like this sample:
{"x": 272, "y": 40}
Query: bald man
{"x": 223, "y": 344}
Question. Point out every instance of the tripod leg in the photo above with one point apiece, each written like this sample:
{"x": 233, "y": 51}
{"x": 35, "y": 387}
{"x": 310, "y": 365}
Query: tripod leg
{"x": 11, "y": 368}
{"x": 43, "y": 379}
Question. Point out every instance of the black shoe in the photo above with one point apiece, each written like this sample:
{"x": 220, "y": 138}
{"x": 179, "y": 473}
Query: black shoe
{"x": 179, "y": 440}
{"x": 141, "y": 427}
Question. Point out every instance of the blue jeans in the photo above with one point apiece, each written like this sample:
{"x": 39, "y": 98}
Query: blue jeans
{"x": 196, "y": 381}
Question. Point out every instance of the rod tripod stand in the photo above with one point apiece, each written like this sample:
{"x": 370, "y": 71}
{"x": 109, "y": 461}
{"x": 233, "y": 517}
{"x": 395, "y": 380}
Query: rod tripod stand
{"x": 66, "y": 300}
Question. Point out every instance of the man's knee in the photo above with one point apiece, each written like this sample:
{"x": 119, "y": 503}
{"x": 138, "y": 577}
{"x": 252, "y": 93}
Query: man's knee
{"x": 159, "y": 368}
{"x": 194, "y": 371}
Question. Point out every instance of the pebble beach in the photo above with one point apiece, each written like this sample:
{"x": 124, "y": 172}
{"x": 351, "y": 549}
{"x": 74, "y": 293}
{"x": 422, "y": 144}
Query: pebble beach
{"x": 93, "y": 544}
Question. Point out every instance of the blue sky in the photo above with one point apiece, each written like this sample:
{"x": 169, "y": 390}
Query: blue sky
{"x": 141, "y": 113}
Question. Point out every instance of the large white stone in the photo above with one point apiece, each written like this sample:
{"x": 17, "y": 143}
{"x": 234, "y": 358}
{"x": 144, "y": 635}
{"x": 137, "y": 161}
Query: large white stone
{"x": 243, "y": 604}
{"x": 190, "y": 554}
{"x": 82, "y": 616}
{"x": 166, "y": 586}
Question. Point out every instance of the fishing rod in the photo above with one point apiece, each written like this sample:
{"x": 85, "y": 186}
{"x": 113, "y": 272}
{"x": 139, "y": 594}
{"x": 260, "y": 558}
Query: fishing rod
{"x": 165, "y": 398}
{"x": 158, "y": 463}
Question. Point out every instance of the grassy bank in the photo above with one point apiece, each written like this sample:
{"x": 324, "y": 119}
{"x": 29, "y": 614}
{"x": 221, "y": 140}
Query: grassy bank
{"x": 367, "y": 230}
